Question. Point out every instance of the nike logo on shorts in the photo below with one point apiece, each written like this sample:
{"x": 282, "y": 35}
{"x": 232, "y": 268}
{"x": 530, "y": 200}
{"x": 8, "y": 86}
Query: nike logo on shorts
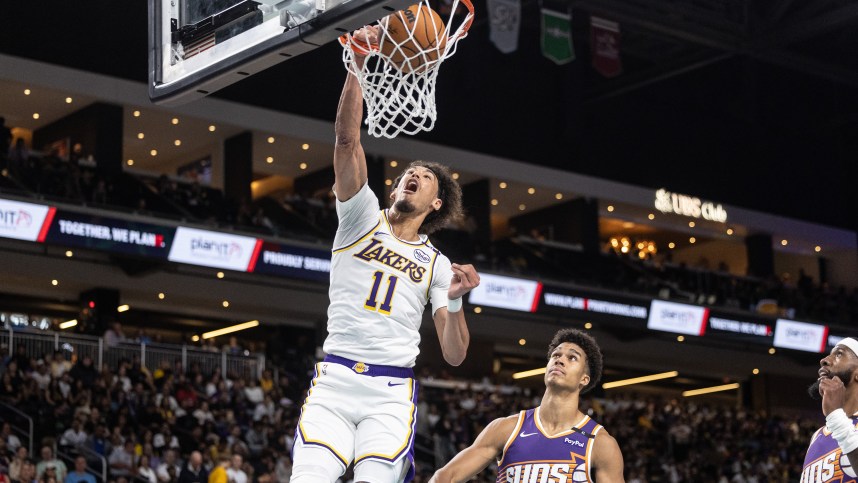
{"x": 391, "y": 384}
{"x": 524, "y": 435}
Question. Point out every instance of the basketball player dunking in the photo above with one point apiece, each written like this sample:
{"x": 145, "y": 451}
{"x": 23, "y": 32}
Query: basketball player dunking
{"x": 361, "y": 406}
{"x": 834, "y": 447}
{"x": 555, "y": 441}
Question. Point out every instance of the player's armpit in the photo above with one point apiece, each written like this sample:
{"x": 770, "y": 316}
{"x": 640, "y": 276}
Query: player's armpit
{"x": 607, "y": 459}
{"x": 488, "y": 446}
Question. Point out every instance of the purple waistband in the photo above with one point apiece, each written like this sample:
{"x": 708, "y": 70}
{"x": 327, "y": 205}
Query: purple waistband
{"x": 372, "y": 370}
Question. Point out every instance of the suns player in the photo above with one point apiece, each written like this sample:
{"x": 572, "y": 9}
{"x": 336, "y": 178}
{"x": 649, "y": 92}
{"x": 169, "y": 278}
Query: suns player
{"x": 834, "y": 447}
{"x": 361, "y": 406}
{"x": 554, "y": 442}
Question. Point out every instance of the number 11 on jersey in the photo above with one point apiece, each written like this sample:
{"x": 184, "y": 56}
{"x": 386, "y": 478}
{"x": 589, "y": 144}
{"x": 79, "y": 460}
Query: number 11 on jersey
{"x": 372, "y": 301}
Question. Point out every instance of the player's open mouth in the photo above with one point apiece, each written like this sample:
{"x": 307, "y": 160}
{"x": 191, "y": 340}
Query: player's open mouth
{"x": 411, "y": 187}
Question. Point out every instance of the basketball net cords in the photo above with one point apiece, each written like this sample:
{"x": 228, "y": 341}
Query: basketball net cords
{"x": 400, "y": 96}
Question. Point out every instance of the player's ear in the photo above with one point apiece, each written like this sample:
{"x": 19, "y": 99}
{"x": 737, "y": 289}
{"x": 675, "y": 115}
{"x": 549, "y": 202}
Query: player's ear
{"x": 585, "y": 381}
{"x": 436, "y": 205}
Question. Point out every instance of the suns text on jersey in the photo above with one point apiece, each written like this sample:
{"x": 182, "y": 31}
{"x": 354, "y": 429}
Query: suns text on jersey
{"x": 824, "y": 469}
{"x": 380, "y": 253}
{"x": 544, "y": 473}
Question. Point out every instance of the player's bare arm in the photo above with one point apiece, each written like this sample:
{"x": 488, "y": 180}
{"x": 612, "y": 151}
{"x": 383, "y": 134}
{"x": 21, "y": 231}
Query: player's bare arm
{"x": 833, "y": 393}
{"x": 451, "y": 326}
{"x": 349, "y": 158}
{"x": 486, "y": 448}
{"x": 607, "y": 459}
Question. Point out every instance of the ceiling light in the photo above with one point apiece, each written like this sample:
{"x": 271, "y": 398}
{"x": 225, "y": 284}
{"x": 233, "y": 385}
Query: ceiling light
{"x": 707, "y": 390}
{"x": 680, "y": 338}
{"x": 153, "y": 152}
{"x": 639, "y": 380}
{"x": 175, "y": 121}
{"x": 230, "y": 329}
{"x": 692, "y": 240}
{"x": 136, "y": 113}
{"x": 671, "y": 245}
{"x": 502, "y": 185}
{"x": 26, "y": 92}
{"x": 651, "y": 216}
{"x": 220, "y": 275}
{"x": 388, "y": 182}
{"x": 123, "y": 308}
{"x": 130, "y": 162}
{"x": 522, "y": 341}
{"x": 784, "y": 243}
{"x": 140, "y": 135}
{"x": 729, "y": 231}
{"x": 530, "y": 191}
{"x": 691, "y": 224}
{"x": 588, "y": 325}
{"x": 225, "y": 303}
{"x": 521, "y": 207}
{"x": 494, "y": 202}
{"x": 68, "y": 324}
{"x": 269, "y": 159}
{"x": 393, "y": 164}
{"x": 305, "y": 146}
{"x": 177, "y": 142}
{"x": 69, "y": 253}
{"x": 755, "y": 371}
{"x": 270, "y": 139}
{"x": 610, "y": 208}
{"x": 478, "y": 310}
{"x": 817, "y": 248}
{"x": 161, "y": 295}
{"x": 530, "y": 373}
{"x": 55, "y": 282}
{"x": 303, "y": 165}
{"x": 68, "y": 100}
{"x": 628, "y": 224}
{"x": 558, "y": 196}
{"x": 455, "y": 175}
{"x": 772, "y": 350}
{"x": 35, "y": 115}
{"x": 195, "y": 338}
{"x": 212, "y": 128}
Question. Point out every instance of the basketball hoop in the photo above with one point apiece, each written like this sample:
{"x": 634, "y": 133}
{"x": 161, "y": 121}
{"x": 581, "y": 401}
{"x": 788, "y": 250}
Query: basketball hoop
{"x": 398, "y": 74}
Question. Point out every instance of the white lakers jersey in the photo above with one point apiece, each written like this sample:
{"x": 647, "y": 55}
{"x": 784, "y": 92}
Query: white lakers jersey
{"x": 380, "y": 286}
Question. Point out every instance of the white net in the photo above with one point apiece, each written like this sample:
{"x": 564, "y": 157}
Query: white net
{"x": 397, "y": 74}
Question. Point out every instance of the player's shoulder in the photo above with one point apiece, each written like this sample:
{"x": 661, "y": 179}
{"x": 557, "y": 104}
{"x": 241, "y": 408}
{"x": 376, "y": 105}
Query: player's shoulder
{"x": 499, "y": 430}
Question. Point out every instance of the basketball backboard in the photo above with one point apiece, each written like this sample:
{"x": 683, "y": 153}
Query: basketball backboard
{"x": 199, "y": 46}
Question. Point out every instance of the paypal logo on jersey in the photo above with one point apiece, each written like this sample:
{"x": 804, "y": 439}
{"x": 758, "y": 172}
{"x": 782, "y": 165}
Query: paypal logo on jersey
{"x": 574, "y": 442}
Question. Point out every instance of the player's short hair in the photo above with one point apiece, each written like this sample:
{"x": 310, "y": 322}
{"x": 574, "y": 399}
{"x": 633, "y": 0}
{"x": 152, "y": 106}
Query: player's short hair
{"x": 449, "y": 192}
{"x": 591, "y": 350}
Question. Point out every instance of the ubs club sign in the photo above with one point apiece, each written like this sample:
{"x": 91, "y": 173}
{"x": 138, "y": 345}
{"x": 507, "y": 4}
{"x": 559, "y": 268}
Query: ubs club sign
{"x": 685, "y": 205}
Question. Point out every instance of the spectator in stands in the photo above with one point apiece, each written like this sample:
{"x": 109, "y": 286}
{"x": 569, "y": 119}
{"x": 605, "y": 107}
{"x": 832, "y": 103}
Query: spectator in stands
{"x": 236, "y": 473}
{"x": 113, "y": 336}
{"x": 256, "y": 439}
{"x": 145, "y": 473}
{"x": 17, "y": 464}
{"x": 84, "y": 371}
{"x": 75, "y": 436}
{"x": 79, "y": 475}
{"x": 121, "y": 459}
{"x": 253, "y": 392}
{"x": 99, "y": 441}
{"x": 18, "y": 155}
{"x": 12, "y": 441}
{"x": 27, "y": 473}
{"x": 169, "y": 469}
{"x": 59, "y": 365}
{"x": 48, "y": 459}
{"x": 41, "y": 375}
{"x": 233, "y": 348}
{"x": 193, "y": 471}
{"x": 219, "y": 472}
{"x": 165, "y": 439}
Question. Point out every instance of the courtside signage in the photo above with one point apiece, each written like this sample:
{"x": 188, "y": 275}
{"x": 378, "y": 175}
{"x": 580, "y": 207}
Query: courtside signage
{"x": 110, "y": 234}
{"x": 801, "y": 336}
{"x": 291, "y": 261}
{"x": 213, "y": 249}
{"x": 551, "y": 299}
{"x": 677, "y": 318}
{"x": 23, "y": 221}
{"x": 506, "y": 293}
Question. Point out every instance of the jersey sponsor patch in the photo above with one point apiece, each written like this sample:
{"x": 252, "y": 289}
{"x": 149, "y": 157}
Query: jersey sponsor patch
{"x": 421, "y": 256}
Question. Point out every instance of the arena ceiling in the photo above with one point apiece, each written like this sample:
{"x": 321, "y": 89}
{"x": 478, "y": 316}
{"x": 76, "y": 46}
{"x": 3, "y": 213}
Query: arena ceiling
{"x": 753, "y": 103}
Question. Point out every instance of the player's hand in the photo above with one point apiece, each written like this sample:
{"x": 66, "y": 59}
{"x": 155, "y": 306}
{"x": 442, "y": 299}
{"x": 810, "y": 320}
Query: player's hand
{"x": 833, "y": 394}
{"x": 465, "y": 278}
{"x": 366, "y": 36}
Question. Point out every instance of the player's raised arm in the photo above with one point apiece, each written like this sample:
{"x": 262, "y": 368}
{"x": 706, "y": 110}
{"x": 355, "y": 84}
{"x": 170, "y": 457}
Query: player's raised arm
{"x": 349, "y": 158}
{"x": 450, "y": 320}
{"x": 488, "y": 446}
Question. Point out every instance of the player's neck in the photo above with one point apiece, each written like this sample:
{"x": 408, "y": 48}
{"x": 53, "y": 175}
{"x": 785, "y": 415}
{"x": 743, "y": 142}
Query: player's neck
{"x": 405, "y": 226}
{"x": 559, "y": 411}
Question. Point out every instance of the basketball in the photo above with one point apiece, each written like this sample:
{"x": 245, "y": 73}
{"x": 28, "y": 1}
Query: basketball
{"x": 413, "y": 38}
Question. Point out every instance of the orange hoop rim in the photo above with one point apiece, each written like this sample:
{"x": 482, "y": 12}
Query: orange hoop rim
{"x": 364, "y": 48}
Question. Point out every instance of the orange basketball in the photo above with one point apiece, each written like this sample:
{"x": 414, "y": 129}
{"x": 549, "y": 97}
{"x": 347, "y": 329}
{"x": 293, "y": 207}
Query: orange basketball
{"x": 413, "y": 37}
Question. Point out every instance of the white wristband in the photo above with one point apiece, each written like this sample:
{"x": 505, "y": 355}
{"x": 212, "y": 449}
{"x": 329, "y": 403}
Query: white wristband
{"x": 454, "y": 305}
{"x": 843, "y": 430}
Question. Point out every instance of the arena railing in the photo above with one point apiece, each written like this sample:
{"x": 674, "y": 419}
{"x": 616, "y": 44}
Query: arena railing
{"x": 151, "y": 356}
{"x": 15, "y": 417}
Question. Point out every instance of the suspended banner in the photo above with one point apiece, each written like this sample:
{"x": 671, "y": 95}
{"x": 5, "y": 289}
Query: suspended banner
{"x": 504, "y": 21}
{"x": 557, "y": 36}
{"x": 506, "y": 293}
{"x": 294, "y": 262}
{"x": 605, "y": 46}
{"x": 24, "y": 221}
{"x": 110, "y": 234}
{"x": 677, "y": 318}
{"x": 214, "y": 249}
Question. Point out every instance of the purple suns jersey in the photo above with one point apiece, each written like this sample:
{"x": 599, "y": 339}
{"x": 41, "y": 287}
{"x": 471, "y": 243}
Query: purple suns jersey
{"x": 825, "y": 461}
{"x": 531, "y": 456}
